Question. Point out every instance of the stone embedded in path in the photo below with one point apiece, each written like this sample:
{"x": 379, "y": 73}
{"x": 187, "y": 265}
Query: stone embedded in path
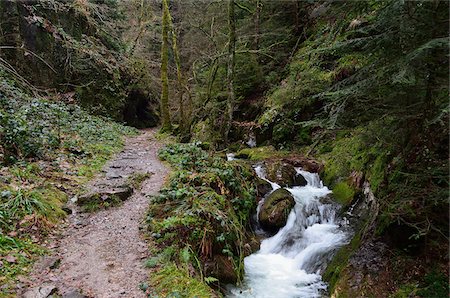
{"x": 74, "y": 294}
{"x": 49, "y": 262}
{"x": 42, "y": 291}
{"x": 118, "y": 193}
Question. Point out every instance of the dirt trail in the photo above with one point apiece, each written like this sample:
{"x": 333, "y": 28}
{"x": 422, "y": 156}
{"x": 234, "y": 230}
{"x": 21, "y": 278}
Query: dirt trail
{"x": 102, "y": 254}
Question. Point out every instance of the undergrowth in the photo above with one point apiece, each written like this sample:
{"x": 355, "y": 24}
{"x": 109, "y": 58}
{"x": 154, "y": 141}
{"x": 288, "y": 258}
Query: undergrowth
{"x": 47, "y": 149}
{"x": 202, "y": 214}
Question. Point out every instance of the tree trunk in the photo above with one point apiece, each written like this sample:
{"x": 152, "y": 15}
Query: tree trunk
{"x": 230, "y": 69}
{"x": 181, "y": 84}
{"x": 165, "y": 115}
{"x": 257, "y": 23}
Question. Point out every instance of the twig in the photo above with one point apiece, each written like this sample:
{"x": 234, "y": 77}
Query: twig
{"x": 30, "y": 52}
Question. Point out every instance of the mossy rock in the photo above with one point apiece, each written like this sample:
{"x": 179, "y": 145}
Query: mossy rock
{"x": 262, "y": 187}
{"x": 284, "y": 174}
{"x": 343, "y": 193}
{"x": 110, "y": 196}
{"x": 275, "y": 210}
{"x": 222, "y": 268}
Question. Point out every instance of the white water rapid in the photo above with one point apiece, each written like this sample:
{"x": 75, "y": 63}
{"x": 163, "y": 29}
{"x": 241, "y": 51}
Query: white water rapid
{"x": 289, "y": 263}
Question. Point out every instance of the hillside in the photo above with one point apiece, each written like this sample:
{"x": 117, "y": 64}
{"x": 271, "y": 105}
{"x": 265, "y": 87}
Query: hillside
{"x": 307, "y": 143}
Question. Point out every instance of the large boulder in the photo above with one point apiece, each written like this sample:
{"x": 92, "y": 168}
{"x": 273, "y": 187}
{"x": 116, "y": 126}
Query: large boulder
{"x": 275, "y": 209}
{"x": 284, "y": 174}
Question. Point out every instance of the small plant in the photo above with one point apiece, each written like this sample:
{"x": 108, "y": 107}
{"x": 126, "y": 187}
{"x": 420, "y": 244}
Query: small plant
{"x": 152, "y": 262}
{"x": 136, "y": 179}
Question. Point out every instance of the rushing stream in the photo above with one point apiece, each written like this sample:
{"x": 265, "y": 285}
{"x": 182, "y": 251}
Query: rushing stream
{"x": 289, "y": 263}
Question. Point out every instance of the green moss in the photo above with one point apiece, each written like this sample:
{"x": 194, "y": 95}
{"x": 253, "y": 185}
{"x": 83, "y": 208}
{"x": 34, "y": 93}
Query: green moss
{"x": 334, "y": 270}
{"x": 96, "y": 203}
{"x": 343, "y": 193}
{"x": 356, "y": 150}
{"x": 377, "y": 171}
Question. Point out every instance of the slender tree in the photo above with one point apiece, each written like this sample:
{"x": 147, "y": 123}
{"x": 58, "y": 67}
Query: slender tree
{"x": 165, "y": 115}
{"x": 257, "y": 20}
{"x": 181, "y": 85}
{"x": 230, "y": 68}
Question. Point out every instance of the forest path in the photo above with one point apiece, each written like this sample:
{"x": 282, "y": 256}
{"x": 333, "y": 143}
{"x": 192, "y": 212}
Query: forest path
{"x": 102, "y": 254}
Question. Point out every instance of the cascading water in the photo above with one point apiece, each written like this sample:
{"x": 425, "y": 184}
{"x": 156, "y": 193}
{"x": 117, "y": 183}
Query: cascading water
{"x": 289, "y": 263}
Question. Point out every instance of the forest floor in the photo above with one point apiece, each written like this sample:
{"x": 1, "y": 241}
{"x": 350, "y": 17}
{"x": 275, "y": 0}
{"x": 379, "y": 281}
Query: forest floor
{"x": 101, "y": 254}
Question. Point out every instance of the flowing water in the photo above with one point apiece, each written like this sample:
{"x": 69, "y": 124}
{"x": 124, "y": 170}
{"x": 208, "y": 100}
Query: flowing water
{"x": 289, "y": 263}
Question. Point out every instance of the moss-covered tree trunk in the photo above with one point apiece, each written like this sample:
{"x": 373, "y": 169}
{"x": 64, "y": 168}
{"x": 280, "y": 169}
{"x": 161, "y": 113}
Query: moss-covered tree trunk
{"x": 181, "y": 85}
{"x": 230, "y": 69}
{"x": 165, "y": 115}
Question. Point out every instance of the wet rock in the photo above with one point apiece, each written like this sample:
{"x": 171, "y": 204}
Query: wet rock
{"x": 119, "y": 193}
{"x": 305, "y": 163}
{"x": 74, "y": 294}
{"x": 262, "y": 187}
{"x": 43, "y": 291}
{"x": 221, "y": 267}
{"x": 67, "y": 209}
{"x": 275, "y": 210}
{"x": 284, "y": 174}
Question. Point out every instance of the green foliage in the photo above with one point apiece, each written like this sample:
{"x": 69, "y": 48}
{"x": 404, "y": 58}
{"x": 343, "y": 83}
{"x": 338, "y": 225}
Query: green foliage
{"x": 206, "y": 206}
{"x": 249, "y": 75}
{"x": 152, "y": 262}
{"x": 435, "y": 285}
{"x": 16, "y": 204}
{"x": 34, "y": 127}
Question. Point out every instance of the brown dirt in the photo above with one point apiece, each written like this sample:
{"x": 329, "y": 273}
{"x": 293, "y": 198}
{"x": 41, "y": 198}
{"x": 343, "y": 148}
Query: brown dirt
{"x": 102, "y": 254}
